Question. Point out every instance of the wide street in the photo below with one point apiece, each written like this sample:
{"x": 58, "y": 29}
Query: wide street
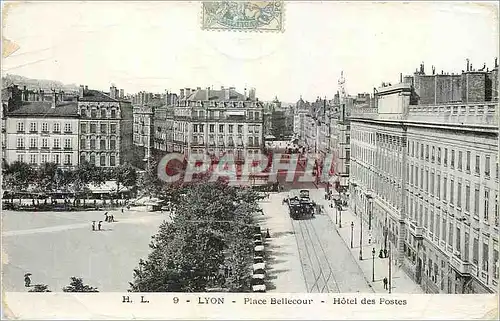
{"x": 312, "y": 255}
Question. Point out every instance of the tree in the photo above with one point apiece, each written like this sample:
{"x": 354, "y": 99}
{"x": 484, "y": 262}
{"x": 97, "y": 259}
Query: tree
{"x": 149, "y": 182}
{"x": 212, "y": 230}
{"x": 125, "y": 175}
{"x": 18, "y": 177}
{"x": 40, "y": 288}
{"x": 82, "y": 176}
{"x": 76, "y": 285}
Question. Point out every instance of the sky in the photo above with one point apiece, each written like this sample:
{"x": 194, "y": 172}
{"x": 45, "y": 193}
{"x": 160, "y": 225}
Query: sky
{"x": 158, "y": 46}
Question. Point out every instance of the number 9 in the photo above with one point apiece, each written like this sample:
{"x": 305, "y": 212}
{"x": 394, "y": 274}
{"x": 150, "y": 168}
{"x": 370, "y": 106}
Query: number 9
{"x": 176, "y": 300}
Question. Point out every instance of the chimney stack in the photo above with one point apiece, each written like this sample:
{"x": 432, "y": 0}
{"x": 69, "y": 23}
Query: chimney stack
{"x": 81, "y": 91}
{"x": 401, "y": 77}
{"x": 207, "y": 94}
{"x": 54, "y": 98}
{"x": 182, "y": 94}
{"x": 468, "y": 66}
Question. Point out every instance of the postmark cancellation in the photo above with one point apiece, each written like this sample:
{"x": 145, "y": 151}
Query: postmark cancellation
{"x": 257, "y": 16}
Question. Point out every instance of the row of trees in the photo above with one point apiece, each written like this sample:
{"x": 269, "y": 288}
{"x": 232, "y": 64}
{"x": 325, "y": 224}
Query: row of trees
{"x": 49, "y": 178}
{"x": 76, "y": 285}
{"x": 208, "y": 244}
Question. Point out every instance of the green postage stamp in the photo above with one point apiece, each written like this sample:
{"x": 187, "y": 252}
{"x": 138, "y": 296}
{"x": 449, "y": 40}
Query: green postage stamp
{"x": 259, "y": 16}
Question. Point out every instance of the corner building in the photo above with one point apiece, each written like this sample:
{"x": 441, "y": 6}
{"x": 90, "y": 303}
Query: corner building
{"x": 425, "y": 177}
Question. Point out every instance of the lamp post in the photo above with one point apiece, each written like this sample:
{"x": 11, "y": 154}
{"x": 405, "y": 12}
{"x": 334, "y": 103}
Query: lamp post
{"x": 352, "y": 229}
{"x": 373, "y": 265}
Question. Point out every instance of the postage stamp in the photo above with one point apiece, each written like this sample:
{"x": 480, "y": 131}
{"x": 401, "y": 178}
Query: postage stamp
{"x": 256, "y": 16}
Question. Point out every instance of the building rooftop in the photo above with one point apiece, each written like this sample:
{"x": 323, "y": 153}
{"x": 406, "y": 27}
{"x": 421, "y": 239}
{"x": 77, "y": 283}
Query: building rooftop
{"x": 96, "y": 96}
{"x": 44, "y": 109}
{"x": 217, "y": 95}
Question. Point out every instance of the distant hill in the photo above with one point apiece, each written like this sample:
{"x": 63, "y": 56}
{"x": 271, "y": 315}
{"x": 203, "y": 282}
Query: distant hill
{"x": 30, "y": 83}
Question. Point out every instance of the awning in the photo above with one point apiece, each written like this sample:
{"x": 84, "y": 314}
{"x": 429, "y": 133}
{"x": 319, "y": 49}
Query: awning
{"x": 235, "y": 113}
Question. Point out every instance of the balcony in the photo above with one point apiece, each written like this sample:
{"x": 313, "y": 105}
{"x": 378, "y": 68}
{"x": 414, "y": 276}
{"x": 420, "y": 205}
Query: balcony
{"x": 44, "y": 147}
{"x": 463, "y": 268}
{"x": 20, "y": 147}
{"x": 56, "y": 148}
{"x": 68, "y": 148}
{"x": 33, "y": 147}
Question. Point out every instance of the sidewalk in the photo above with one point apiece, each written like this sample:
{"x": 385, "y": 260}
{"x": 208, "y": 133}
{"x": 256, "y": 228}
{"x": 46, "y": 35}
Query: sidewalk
{"x": 401, "y": 283}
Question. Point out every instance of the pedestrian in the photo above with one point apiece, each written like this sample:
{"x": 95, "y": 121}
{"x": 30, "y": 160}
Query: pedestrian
{"x": 27, "y": 280}
{"x": 93, "y": 225}
{"x": 106, "y": 218}
{"x": 381, "y": 254}
{"x": 99, "y": 225}
{"x": 385, "y": 253}
{"x": 122, "y": 210}
{"x": 385, "y": 283}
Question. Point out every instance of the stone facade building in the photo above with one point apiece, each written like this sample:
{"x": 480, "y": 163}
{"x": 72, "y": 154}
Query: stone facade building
{"x": 425, "y": 177}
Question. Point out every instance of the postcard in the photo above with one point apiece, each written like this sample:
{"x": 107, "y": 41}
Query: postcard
{"x": 250, "y": 160}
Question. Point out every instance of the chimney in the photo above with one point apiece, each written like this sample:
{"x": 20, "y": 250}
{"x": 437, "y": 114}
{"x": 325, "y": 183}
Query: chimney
{"x": 207, "y": 94}
{"x": 400, "y": 77}
{"x": 188, "y": 92}
{"x": 245, "y": 94}
{"x": 467, "y": 64}
{"x": 81, "y": 91}
{"x": 54, "y": 98}
{"x": 182, "y": 94}
{"x": 433, "y": 70}
{"x": 112, "y": 92}
{"x": 193, "y": 91}
{"x": 86, "y": 88}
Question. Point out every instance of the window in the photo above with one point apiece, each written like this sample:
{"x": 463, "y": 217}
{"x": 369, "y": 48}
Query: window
{"x": 83, "y": 128}
{"x": 443, "y": 230}
{"x": 487, "y": 166}
{"x": 426, "y": 218}
{"x": 438, "y": 182}
{"x": 422, "y": 178}
{"x": 459, "y": 194}
{"x": 427, "y": 152}
{"x": 20, "y": 158}
{"x": 32, "y": 127}
{"x": 103, "y": 144}
{"x": 486, "y": 256}
{"x": 427, "y": 180}
{"x": 416, "y": 176}
{"x": 421, "y": 151}
{"x": 83, "y": 113}
{"x": 460, "y": 156}
{"x": 496, "y": 209}
{"x": 240, "y": 129}
{"x": 432, "y": 184}
{"x": 486, "y": 203}
{"x": 33, "y": 159}
{"x": 112, "y": 144}
{"x": 103, "y": 160}
{"x": 231, "y": 129}
{"x": 433, "y": 154}
{"x": 57, "y": 128}
{"x": 467, "y": 162}
{"x": 439, "y": 156}
{"x": 57, "y": 143}
{"x": 112, "y": 161}
{"x": 93, "y": 128}
{"x": 452, "y": 190}
{"x": 467, "y": 198}
{"x": 83, "y": 143}
{"x": 67, "y": 143}
{"x": 83, "y": 159}
{"x": 44, "y": 158}
{"x": 450, "y": 234}
{"x": 45, "y": 127}
{"x": 56, "y": 158}
{"x": 452, "y": 163}
{"x": 412, "y": 149}
{"x": 67, "y": 159}
{"x": 92, "y": 145}
{"x": 195, "y": 128}
{"x": 113, "y": 113}
{"x": 466, "y": 246}
{"x": 476, "y": 200}
{"x": 477, "y": 164}
{"x": 20, "y": 127}
{"x": 211, "y": 128}
{"x": 495, "y": 261}
{"x": 67, "y": 128}
{"x": 445, "y": 185}
{"x": 431, "y": 222}
{"x": 221, "y": 128}
{"x": 103, "y": 113}
{"x": 257, "y": 115}
{"x": 92, "y": 159}
{"x": 445, "y": 161}
{"x": 33, "y": 142}
{"x": 438, "y": 226}
{"x": 103, "y": 128}
{"x": 93, "y": 113}
{"x": 113, "y": 129}
{"x": 45, "y": 143}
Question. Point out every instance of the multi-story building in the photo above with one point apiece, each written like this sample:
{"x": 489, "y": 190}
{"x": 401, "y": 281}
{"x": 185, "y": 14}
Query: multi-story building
{"x": 425, "y": 177}
{"x": 299, "y": 119}
{"x": 41, "y": 131}
{"x": 217, "y": 122}
{"x": 100, "y": 130}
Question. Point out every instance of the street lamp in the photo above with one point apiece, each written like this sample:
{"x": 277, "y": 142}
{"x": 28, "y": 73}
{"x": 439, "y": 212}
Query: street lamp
{"x": 352, "y": 228}
{"x": 373, "y": 265}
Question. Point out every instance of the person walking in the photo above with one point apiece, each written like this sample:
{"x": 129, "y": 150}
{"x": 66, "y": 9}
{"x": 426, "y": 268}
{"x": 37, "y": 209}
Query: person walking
{"x": 106, "y": 217}
{"x": 93, "y": 225}
{"x": 385, "y": 283}
{"x": 27, "y": 280}
{"x": 99, "y": 225}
